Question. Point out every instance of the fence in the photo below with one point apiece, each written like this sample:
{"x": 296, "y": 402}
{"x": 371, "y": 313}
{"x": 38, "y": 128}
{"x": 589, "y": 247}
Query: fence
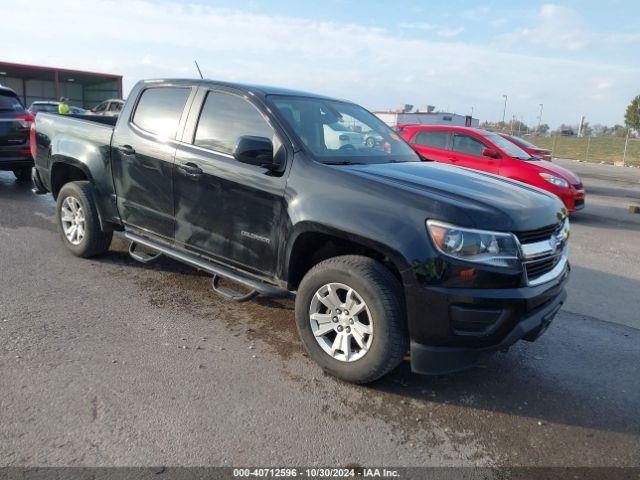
{"x": 613, "y": 150}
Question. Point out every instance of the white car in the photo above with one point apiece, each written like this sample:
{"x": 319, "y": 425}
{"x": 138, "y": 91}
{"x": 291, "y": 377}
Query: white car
{"x": 338, "y": 136}
{"x": 108, "y": 108}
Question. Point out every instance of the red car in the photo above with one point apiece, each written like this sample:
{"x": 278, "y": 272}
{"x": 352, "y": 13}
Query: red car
{"x": 530, "y": 148}
{"x": 490, "y": 152}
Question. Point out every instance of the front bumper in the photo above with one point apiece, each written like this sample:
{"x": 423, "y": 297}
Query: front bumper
{"x": 573, "y": 199}
{"x": 428, "y": 360}
{"x": 575, "y": 203}
{"x": 463, "y": 325}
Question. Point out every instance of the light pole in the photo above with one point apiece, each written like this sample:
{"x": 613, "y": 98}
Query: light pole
{"x": 504, "y": 111}
{"x": 540, "y": 118}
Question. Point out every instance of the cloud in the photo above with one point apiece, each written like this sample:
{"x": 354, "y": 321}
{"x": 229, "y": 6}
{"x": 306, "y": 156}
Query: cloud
{"x": 417, "y": 25}
{"x": 450, "y": 32}
{"x": 622, "y": 38}
{"x": 440, "y": 30}
{"x": 554, "y": 26}
{"x": 372, "y": 66}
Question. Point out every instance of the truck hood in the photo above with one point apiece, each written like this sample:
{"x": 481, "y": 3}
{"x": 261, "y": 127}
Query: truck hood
{"x": 485, "y": 200}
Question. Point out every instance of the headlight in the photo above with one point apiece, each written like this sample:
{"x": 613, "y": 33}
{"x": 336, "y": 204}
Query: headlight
{"x": 555, "y": 180}
{"x": 491, "y": 248}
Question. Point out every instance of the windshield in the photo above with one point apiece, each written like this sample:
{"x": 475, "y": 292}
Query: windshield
{"x": 335, "y": 132}
{"x": 508, "y": 147}
{"x": 44, "y": 107}
{"x": 522, "y": 142}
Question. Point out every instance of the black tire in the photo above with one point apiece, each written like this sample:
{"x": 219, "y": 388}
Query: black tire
{"x": 95, "y": 240}
{"x": 382, "y": 294}
{"x": 23, "y": 174}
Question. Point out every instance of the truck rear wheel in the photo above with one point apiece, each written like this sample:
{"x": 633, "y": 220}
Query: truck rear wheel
{"x": 350, "y": 317}
{"x": 78, "y": 221}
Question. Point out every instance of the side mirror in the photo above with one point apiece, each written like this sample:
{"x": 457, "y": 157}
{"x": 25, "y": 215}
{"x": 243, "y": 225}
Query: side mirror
{"x": 489, "y": 152}
{"x": 255, "y": 151}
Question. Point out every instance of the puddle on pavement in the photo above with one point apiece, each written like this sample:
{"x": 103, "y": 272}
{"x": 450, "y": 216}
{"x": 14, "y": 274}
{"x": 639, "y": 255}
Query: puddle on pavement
{"x": 413, "y": 421}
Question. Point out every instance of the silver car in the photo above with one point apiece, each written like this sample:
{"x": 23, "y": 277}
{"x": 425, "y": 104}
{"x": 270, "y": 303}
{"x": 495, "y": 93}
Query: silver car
{"x": 109, "y": 108}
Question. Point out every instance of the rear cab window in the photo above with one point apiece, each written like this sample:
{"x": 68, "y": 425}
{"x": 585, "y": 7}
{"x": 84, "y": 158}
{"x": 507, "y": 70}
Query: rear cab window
{"x": 159, "y": 110}
{"x": 44, "y": 107}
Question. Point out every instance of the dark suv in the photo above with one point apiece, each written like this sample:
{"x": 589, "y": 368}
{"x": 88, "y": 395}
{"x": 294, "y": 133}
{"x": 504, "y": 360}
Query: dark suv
{"x": 385, "y": 252}
{"x": 15, "y": 123}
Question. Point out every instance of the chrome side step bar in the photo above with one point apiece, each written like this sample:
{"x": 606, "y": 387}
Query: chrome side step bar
{"x": 218, "y": 271}
{"x": 142, "y": 257}
{"x": 230, "y": 293}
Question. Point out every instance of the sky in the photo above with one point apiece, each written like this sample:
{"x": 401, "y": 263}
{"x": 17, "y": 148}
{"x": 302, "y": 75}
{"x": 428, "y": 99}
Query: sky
{"x": 576, "y": 58}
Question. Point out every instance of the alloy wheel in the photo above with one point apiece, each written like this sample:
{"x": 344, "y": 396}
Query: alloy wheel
{"x": 73, "y": 220}
{"x": 341, "y": 322}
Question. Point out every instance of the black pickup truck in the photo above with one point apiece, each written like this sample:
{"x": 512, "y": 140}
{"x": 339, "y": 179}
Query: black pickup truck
{"x": 385, "y": 251}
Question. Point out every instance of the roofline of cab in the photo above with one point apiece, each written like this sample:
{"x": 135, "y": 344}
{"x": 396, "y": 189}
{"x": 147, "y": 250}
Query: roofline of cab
{"x": 260, "y": 90}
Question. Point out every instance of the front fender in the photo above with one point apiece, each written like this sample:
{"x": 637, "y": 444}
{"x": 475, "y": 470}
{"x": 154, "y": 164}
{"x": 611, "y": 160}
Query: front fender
{"x": 401, "y": 263}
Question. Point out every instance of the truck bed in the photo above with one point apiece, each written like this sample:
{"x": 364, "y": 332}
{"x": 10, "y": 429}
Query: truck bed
{"x": 83, "y": 141}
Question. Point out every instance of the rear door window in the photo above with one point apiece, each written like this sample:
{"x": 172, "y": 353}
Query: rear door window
{"x": 159, "y": 110}
{"x": 226, "y": 117}
{"x": 467, "y": 145}
{"x": 433, "y": 139}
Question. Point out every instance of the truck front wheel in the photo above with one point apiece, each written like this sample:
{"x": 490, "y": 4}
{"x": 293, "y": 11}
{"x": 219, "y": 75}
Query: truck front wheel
{"x": 350, "y": 317}
{"x": 78, "y": 221}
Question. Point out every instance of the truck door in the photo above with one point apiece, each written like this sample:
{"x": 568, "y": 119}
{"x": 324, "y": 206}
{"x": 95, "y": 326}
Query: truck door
{"x": 466, "y": 151}
{"x": 143, "y": 152}
{"x": 225, "y": 209}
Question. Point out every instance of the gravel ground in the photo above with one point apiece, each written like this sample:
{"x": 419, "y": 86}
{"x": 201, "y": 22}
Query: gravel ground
{"x": 110, "y": 362}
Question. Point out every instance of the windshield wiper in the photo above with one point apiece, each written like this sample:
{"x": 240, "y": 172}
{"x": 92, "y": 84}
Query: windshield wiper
{"x": 344, "y": 162}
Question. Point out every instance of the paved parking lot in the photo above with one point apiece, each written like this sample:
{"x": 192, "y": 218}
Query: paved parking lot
{"x": 110, "y": 362}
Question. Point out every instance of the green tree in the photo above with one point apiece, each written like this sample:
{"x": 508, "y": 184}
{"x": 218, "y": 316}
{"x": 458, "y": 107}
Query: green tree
{"x": 632, "y": 115}
{"x": 542, "y": 128}
{"x": 600, "y": 130}
{"x": 518, "y": 127}
{"x": 618, "y": 131}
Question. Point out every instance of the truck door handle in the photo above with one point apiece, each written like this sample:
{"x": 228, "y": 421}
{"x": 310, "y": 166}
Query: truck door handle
{"x": 191, "y": 169}
{"x": 127, "y": 150}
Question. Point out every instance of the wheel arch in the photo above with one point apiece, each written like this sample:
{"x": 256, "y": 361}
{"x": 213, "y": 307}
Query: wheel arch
{"x": 312, "y": 243}
{"x": 65, "y": 170}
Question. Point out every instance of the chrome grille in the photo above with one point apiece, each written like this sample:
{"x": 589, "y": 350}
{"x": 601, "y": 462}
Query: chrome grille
{"x": 537, "y": 268}
{"x": 544, "y": 252}
{"x": 532, "y": 236}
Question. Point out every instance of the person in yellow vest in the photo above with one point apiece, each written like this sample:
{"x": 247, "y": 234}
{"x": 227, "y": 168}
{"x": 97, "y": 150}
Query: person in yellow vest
{"x": 63, "y": 106}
